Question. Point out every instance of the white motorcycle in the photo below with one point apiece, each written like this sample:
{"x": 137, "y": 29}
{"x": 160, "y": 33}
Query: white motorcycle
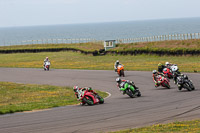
{"x": 47, "y": 65}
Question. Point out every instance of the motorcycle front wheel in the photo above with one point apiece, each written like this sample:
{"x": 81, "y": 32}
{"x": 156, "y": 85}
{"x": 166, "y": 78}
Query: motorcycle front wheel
{"x": 101, "y": 100}
{"x": 129, "y": 93}
{"x": 122, "y": 73}
{"x": 166, "y": 85}
{"x": 187, "y": 86}
{"x": 88, "y": 101}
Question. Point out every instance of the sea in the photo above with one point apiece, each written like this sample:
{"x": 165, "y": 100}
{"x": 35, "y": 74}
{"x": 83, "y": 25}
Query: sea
{"x": 100, "y": 31}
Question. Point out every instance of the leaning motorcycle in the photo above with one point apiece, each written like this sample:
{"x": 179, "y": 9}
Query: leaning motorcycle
{"x": 120, "y": 70}
{"x": 47, "y": 65}
{"x": 163, "y": 81}
{"x": 185, "y": 83}
{"x": 132, "y": 93}
{"x": 91, "y": 98}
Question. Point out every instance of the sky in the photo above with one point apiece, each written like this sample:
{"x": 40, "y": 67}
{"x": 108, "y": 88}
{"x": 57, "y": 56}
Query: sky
{"x": 52, "y": 12}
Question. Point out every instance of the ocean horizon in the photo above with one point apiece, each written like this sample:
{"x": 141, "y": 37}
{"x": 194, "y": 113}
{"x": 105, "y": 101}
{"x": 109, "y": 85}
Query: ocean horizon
{"x": 100, "y": 31}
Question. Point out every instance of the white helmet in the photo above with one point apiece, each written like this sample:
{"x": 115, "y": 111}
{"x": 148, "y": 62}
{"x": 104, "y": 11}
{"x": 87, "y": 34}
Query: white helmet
{"x": 154, "y": 71}
{"x": 118, "y": 80}
{"x": 174, "y": 68}
{"x": 166, "y": 63}
{"x": 165, "y": 69}
{"x": 75, "y": 88}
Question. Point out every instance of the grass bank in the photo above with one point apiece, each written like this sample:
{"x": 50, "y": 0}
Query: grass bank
{"x": 172, "y": 47}
{"x": 76, "y": 60}
{"x": 88, "y": 47}
{"x": 176, "y": 127}
{"x": 167, "y": 45}
{"x": 26, "y": 97}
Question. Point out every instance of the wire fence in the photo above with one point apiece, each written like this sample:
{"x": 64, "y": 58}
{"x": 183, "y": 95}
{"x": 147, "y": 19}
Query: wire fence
{"x": 121, "y": 41}
{"x": 161, "y": 38}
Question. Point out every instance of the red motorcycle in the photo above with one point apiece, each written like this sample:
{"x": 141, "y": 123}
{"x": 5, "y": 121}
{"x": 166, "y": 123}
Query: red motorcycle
{"x": 91, "y": 98}
{"x": 163, "y": 81}
{"x": 168, "y": 73}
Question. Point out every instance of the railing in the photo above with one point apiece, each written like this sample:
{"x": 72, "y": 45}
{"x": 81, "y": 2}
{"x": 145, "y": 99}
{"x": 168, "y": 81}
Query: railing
{"x": 161, "y": 38}
{"x": 127, "y": 40}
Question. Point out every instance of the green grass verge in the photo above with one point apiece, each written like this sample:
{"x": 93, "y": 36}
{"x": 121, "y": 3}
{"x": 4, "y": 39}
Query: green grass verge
{"x": 162, "y": 46}
{"x": 26, "y": 97}
{"x": 173, "y": 45}
{"x": 176, "y": 127}
{"x": 80, "y": 46}
{"x": 76, "y": 60}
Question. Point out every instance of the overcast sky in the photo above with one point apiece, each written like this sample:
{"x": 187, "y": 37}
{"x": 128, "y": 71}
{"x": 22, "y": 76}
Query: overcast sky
{"x": 51, "y": 12}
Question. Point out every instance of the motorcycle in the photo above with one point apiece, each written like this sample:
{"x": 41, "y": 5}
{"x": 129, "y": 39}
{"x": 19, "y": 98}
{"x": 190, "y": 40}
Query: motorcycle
{"x": 131, "y": 93}
{"x": 163, "y": 81}
{"x": 91, "y": 99}
{"x": 47, "y": 65}
{"x": 168, "y": 73}
{"x": 184, "y": 82}
{"x": 120, "y": 70}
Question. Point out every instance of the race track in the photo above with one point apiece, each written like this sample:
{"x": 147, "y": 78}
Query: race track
{"x": 156, "y": 105}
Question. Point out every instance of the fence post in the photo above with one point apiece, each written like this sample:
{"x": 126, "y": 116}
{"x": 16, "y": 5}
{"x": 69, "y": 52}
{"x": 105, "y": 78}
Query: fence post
{"x": 190, "y": 35}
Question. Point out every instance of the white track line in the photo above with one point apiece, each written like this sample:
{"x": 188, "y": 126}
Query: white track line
{"x": 109, "y": 94}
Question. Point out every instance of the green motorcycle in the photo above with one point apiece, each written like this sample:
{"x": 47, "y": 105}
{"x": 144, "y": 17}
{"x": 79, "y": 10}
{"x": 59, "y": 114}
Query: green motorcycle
{"x": 129, "y": 89}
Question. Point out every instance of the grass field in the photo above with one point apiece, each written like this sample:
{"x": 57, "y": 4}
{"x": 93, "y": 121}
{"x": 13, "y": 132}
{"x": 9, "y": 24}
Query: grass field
{"x": 172, "y": 44}
{"x": 25, "y": 97}
{"x": 76, "y": 60}
{"x": 176, "y": 127}
{"x": 80, "y": 46}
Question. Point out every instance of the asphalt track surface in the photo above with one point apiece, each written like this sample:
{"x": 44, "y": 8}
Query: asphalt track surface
{"x": 156, "y": 105}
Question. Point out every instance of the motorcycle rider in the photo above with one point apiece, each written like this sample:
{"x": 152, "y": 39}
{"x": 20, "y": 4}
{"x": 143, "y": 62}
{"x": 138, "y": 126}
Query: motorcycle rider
{"x": 168, "y": 65}
{"x": 46, "y": 60}
{"x": 155, "y": 77}
{"x": 80, "y": 91}
{"x": 161, "y": 67}
{"x": 124, "y": 84}
{"x": 116, "y": 65}
{"x": 175, "y": 72}
{"x": 180, "y": 85}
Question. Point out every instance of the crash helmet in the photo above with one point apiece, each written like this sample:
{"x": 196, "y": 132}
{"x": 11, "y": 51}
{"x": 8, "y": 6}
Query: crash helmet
{"x": 89, "y": 88}
{"x": 117, "y": 62}
{"x": 118, "y": 80}
{"x": 174, "y": 68}
{"x": 166, "y": 63}
{"x": 47, "y": 58}
{"x": 185, "y": 76}
{"x": 154, "y": 72}
{"x": 75, "y": 88}
{"x": 165, "y": 69}
{"x": 160, "y": 64}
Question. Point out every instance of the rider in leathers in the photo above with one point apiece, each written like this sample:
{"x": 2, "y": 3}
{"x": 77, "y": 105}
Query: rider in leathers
{"x": 155, "y": 77}
{"x": 124, "y": 84}
{"x": 79, "y": 92}
{"x": 116, "y": 65}
{"x": 161, "y": 67}
{"x": 46, "y": 60}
